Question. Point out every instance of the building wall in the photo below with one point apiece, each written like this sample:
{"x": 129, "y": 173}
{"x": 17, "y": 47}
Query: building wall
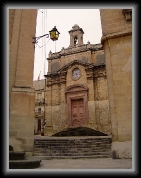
{"x": 22, "y": 25}
{"x": 40, "y": 117}
{"x": 114, "y": 21}
{"x": 117, "y": 42}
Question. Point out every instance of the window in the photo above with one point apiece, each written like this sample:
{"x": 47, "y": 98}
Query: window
{"x": 39, "y": 110}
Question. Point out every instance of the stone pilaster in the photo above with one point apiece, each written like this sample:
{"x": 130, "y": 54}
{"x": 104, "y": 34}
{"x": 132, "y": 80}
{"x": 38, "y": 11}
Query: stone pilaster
{"x": 21, "y": 122}
{"x": 21, "y": 64}
{"x": 63, "y": 114}
{"x": 91, "y": 103}
{"x": 55, "y": 112}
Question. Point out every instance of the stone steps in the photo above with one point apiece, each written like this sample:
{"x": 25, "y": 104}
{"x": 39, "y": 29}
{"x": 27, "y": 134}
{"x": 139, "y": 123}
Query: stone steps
{"x": 24, "y": 164}
{"x": 16, "y": 155}
{"x": 72, "y": 157}
{"x": 73, "y": 154}
{"x": 79, "y": 131}
{"x": 72, "y": 147}
{"x": 17, "y": 160}
{"x": 67, "y": 150}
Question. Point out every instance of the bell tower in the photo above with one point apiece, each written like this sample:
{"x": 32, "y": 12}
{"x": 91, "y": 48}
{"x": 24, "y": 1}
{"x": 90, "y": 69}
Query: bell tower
{"x": 76, "y": 36}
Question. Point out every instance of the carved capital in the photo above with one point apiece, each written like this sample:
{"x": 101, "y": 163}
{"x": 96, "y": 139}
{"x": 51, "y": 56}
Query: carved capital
{"x": 63, "y": 76}
{"x": 90, "y": 73}
{"x": 56, "y": 78}
{"x": 128, "y": 14}
{"x": 99, "y": 74}
{"x": 49, "y": 81}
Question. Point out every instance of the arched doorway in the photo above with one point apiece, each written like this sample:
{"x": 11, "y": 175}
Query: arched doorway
{"x": 77, "y": 106}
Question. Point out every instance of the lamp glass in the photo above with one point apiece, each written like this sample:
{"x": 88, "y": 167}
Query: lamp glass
{"x": 54, "y": 34}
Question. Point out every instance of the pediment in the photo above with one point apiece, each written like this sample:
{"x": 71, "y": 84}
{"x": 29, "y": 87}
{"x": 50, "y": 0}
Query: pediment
{"x": 63, "y": 70}
{"x": 76, "y": 62}
{"x": 59, "y": 76}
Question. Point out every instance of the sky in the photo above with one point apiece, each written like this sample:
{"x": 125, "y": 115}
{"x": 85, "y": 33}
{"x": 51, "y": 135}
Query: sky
{"x": 64, "y": 20}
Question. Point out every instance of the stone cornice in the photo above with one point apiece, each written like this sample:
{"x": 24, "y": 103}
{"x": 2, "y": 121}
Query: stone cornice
{"x": 76, "y": 28}
{"x": 23, "y": 89}
{"x": 115, "y": 35}
{"x": 73, "y": 30}
{"x": 74, "y": 50}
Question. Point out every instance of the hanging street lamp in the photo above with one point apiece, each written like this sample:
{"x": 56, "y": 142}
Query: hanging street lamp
{"x": 54, "y": 34}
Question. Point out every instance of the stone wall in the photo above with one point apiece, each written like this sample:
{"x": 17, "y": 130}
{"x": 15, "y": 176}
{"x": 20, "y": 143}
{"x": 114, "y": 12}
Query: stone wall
{"x": 117, "y": 42}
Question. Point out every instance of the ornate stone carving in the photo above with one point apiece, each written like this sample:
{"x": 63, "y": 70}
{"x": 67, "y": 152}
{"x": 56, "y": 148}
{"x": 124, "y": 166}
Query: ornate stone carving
{"x": 63, "y": 76}
{"x": 90, "y": 73}
{"x": 128, "y": 14}
{"x": 100, "y": 74}
{"x": 49, "y": 81}
{"x": 74, "y": 50}
{"x": 76, "y": 88}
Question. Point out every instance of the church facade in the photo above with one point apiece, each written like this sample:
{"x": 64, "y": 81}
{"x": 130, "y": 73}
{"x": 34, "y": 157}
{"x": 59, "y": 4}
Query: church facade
{"x": 87, "y": 85}
{"x": 76, "y": 91}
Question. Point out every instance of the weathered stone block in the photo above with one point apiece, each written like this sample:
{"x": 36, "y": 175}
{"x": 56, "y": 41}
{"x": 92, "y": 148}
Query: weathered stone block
{"x": 122, "y": 149}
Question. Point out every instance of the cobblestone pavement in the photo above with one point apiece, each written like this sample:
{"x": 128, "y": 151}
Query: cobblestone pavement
{"x": 97, "y": 163}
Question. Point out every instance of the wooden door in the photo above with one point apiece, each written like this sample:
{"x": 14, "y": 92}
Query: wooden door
{"x": 77, "y": 112}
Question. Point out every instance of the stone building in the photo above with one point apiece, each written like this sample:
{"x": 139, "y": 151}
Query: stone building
{"x": 87, "y": 85}
{"x": 39, "y": 86}
{"x": 91, "y": 85}
{"x": 77, "y": 87}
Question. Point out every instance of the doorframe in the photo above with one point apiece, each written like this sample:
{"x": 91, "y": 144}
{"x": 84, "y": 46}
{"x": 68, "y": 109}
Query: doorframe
{"x": 74, "y": 100}
{"x": 75, "y": 92}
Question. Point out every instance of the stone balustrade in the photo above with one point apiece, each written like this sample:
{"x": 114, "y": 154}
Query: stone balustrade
{"x": 73, "y": 50}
